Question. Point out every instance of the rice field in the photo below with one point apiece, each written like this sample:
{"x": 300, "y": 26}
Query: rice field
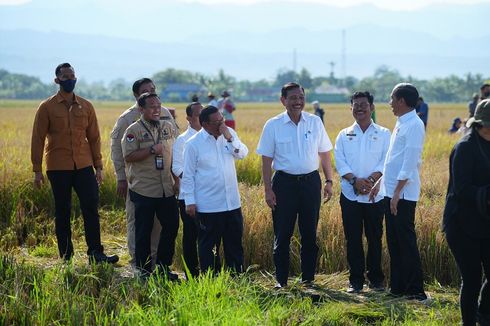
{"x": 29, "y": 246}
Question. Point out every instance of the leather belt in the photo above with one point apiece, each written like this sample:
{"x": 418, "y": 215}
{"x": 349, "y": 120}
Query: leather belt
{"x": 297, "y": 177}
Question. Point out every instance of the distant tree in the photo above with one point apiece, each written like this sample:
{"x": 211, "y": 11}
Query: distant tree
{"x": 285, "y": 76}
{"x": 174, "y": 76}
{"x": 305, "y": 79}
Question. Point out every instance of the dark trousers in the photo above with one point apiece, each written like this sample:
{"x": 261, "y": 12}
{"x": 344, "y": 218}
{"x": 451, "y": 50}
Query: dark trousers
{"x": 216, "y": 227}
{"x": 406, "y": 270}
{"x": 85, "y": 185}
{"x": 165, "y": 209}
{"x": 356, "y": 218}
{"x": 471, "y": 255}
{"x": 296, "y": 198}
{"x": 189, "y": 240}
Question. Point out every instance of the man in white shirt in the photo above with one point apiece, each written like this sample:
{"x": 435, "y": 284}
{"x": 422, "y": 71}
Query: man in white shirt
{"x": 401, "y": 187}
{"x": 360, "y": 151}
{"x": 291, "y": 143}
{"x": 190, "y": 231}
{"x": 210, "y": 189}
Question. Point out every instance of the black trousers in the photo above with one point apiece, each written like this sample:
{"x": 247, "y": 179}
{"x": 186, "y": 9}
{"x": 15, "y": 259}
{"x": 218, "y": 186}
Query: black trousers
{"x": 165, "y": 209}
{"x": 189, "y": 240}
{"x": 214, "y": 228}
{"x": 406, "y": 270}
{"x": 356, "y": 218}
{"x": 85, "y": 185}
{"x": 471, "y": 255}
{"x": 297, "y": 197}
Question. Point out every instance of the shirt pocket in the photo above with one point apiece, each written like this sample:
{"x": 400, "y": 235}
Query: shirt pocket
{"x": 285, "y": 145}
{"x": 59, "y": 121}
{"x": 80, "y": 118}
{"x": 375, "y": 144}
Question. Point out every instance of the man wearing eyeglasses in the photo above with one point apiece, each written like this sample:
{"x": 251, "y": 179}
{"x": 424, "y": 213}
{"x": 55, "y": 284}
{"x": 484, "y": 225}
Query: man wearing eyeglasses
{"x": 210, "y": 189}
{"x": 360, "y": 151}
{"x": 292, "y": 143}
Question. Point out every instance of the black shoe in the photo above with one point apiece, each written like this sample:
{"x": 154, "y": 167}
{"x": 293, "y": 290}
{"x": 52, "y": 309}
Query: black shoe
{"x": 171, "y": 276}
{"x": 418, "y": 297}
{"x": 378, "y": 287}
{"x": 354, "y": 289}
{"x": 100, "y": 257}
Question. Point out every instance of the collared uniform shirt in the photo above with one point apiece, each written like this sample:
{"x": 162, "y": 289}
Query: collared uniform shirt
{"x": 294, "y": 148}
{"x": 178, "y": 151}
{"x": 404, "y": 157}
{"x": 127, "y": 118}
{"x": 72, "y": 132}
{"x": 209, "y": 180}
{"x": 143, "y": 177}
{"x": 360, "y": 153}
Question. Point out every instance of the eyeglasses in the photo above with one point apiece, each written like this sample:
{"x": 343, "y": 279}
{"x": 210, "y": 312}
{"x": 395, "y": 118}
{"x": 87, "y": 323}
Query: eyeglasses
{"x": 216, "y": 122}
{"x": 295, "y": 98}
{"x": 363, "y": 105}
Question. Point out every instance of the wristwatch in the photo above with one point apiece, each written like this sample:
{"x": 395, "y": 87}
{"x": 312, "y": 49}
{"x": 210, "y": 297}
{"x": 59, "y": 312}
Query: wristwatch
{"x": 152, "y": 150}
{"x": 352, "y": 181}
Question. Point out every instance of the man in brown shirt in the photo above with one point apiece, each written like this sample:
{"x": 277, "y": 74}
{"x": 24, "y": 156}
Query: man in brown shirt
{"x": 72, "y": 152}
{"x": 147, "y": 149}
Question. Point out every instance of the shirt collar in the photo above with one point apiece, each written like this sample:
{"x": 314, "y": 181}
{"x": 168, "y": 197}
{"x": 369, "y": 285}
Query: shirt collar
{"x": 60, "y": 98}
{"x": 191, "y": 130}
{"x": 355, "y": 126}
{"x": 407, "y": 116}
{"x": 286, "y": 118}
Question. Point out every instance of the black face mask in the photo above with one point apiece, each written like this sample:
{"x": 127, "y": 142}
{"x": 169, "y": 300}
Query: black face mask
{"x": 68, "y": 85}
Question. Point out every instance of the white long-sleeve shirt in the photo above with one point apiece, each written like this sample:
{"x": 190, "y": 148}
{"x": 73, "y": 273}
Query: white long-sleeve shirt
{"x": 209, "y": 180}
{"x": 360, "y": 153}
{"x": 404, "y": 157}
{"x": 178, "y": 151}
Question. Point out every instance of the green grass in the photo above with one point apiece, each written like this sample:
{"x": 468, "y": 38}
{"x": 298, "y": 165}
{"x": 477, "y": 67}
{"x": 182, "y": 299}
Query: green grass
{"x": 75, "y": 294}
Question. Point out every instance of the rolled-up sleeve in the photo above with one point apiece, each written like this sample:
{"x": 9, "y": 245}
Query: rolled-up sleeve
{"x": 240, "y": 149}
{"x": 412, "y": 155}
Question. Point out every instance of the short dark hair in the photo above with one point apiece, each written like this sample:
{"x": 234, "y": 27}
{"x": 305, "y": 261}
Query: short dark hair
{"x": 137, "y": 84}
{"x": 484, "y": 85}
{"x": 143, "y": 97}
{"x": 365, "y": 94}
{"x": 206, "y": 112}
{"x": 57, "y": 71}
{"x": 289, "y": 86}
{"x": 407, "y": 92}
{"x": 188, "y": 108}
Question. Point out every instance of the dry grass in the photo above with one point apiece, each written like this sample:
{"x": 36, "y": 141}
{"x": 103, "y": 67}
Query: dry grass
{"x": 25, "y": 212}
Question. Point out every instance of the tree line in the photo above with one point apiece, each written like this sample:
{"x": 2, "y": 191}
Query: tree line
{"x": 452, "y": 88}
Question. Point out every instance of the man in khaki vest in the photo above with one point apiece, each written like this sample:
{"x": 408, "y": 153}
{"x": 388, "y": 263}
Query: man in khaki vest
{"x": 147, "y": 149}
{"x": 143, "y": 85}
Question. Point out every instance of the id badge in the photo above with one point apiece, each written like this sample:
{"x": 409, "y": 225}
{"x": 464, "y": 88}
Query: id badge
{"x": 159, "y": 162}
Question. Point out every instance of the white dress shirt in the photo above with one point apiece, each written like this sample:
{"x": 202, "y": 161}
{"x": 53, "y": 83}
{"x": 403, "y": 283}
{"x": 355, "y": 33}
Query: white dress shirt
{"x": 294, "y": 148}
{"x": 360, "y": 153}
{"x": 404, "y": 157}
{"x": 178, "y": 151}
{"x": 209, "y": 179}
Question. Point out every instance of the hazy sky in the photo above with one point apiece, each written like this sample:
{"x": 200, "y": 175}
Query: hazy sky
{"x": 385, "y": 4}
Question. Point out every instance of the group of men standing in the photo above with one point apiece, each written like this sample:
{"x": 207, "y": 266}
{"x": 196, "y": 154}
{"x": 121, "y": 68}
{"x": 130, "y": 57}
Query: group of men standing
{"x": 379, "y": 177}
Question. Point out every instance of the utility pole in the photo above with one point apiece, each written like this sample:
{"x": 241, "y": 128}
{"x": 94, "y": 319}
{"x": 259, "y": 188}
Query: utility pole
{"x": 294, "y": 59}
{"x": 344, "y": 55}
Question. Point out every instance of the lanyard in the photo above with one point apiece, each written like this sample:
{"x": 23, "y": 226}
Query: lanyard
{"x": 151, "y": 134}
